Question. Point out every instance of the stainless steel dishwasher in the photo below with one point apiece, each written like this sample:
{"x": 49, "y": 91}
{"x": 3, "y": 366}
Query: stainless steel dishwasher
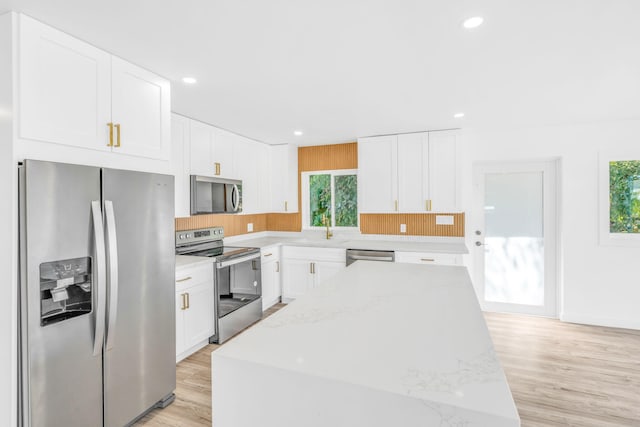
{"x": 354, "y": 255}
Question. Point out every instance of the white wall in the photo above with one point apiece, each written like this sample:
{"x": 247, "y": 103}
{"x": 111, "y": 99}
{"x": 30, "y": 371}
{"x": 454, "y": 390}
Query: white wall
{"x": 598, "y": 284}
{"x": 8, "y": 260}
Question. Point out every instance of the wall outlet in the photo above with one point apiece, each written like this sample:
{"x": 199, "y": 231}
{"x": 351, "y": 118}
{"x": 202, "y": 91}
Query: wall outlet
{"x": 249, "y": 227}
{"x": 403, "y": 228}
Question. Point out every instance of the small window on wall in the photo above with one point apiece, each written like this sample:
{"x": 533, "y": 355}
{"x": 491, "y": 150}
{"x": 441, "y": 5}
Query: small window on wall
{"x": 330, "y": 196}
{"x": 620, "y": 200}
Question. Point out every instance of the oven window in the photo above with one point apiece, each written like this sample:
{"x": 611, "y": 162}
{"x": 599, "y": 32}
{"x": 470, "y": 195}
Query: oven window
{"x": 238, "y": 285}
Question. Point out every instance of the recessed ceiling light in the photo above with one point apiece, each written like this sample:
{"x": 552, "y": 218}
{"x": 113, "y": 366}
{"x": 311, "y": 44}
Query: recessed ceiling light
{"x": 473, "y": 22}
{"x": 189, "y": 80}
{"x": 458, "y": 115}
{"x": 297, "y": 132}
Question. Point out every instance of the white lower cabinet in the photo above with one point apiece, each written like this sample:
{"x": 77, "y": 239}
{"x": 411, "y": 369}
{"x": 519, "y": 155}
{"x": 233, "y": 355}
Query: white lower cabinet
{"x": 305, "y": 268}
{"x": 195, "y": 309}
{"x": 270, "y": 264}
{"x": 428, "y": 258}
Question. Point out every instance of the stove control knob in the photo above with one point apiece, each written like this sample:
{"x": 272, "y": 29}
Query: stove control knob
{"x": 181, "y": 236}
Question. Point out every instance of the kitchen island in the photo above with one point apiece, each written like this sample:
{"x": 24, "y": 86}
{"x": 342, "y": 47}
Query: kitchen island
{"x": 380, "y": 344}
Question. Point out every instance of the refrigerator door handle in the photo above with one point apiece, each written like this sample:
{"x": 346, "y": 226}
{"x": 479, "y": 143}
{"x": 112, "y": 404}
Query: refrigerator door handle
{"x": 100, "y": 283}
{"x": 113, "y": 272}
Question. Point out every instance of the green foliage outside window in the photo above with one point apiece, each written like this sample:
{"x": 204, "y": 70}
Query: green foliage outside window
{"x": 624, "y": 196}
{"x": 346, "y": 187}
{"x": 345, "y": 200}
{"x": 319, "y": 198}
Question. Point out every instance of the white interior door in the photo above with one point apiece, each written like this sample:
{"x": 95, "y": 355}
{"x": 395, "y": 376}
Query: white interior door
{"x": 515, "y": 240}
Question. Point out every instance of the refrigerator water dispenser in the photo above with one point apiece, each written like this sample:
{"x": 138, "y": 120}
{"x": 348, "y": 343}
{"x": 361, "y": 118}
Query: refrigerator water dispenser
{"x": 65, "y": 289}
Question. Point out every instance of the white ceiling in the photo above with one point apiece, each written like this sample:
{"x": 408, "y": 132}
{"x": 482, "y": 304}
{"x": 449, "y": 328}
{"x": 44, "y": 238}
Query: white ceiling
{"x": 339, "y": 69}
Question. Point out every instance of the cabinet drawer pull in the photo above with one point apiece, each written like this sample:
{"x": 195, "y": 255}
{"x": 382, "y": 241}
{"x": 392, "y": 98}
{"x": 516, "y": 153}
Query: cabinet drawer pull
{"x": 110, "y": 144}
{"x": 183, "y": 280}
{"x": 269, "y": 254}
{"x": 427, "y": 259}
{"x": 117, "y": 126}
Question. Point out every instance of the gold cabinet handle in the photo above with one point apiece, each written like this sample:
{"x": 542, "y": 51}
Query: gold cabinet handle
{"x": 183, "y": 280}
{"x": 277, "y": 266}
{"x": 188, "y": 301}
{"x": 428, "y": 205}
{"x": 310, "y": 268}
{"x": 110, "y": 144}
{"x": 427, "y": 259}
{"x": 396, "y": 206}
{"x": 217, "y": 165}
{"x": 117, "y": 126}
{"x": 286, "y": 205}
{"x": 269, "y": 254}
{"x": 184, "y": 302}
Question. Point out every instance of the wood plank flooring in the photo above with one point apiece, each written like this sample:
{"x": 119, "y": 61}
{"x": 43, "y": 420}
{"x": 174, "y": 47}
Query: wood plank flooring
{"x": 560, "y": 374}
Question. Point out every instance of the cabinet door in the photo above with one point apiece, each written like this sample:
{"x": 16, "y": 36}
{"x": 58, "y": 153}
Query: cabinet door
{"x": 443, "y": 191}
{"x": 201, "y": 146}
{"x": 297, "y": 278}
{"x": 180, "y": 342}
{"x": 199, "y": 315}
{"x": 324, "y": 270}
{"x": 270, "y": 283}
{"x": 284, "y": 178}
{"x": 179, "y": 163}
{"x": 377, "y": 174}
{"x": 224, "y": 143}
{"x": 413, "y": 163}
{"x": 141, "y": 105}
{"x": 65, "y": 88}
{"x": 247, "y": 169}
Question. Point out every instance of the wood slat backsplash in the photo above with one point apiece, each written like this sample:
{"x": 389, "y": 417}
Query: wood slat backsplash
{"x": 417, "y": 224}
{"x": 233, "y": 224}
{"x": 328, "y": 157}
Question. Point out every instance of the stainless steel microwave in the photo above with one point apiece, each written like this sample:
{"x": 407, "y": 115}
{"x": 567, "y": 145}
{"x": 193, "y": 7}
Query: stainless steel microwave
{"x": 215, "y": 195}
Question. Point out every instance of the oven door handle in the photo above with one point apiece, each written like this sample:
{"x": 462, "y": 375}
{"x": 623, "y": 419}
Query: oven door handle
{"x": 224, "y": 264}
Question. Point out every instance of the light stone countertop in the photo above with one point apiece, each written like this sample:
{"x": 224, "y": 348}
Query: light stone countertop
{"x": 379, "y": 344}
{"x": 452, "y": 246}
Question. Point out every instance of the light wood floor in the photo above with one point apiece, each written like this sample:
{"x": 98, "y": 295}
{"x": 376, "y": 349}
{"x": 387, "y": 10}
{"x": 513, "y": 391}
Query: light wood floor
{"x": 560, "y": 374}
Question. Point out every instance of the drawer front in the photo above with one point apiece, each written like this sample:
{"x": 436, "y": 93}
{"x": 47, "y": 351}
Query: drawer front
{"x": 428, "y": 258}
{"x": 269, "y": 254}
{"x": 190, "y": 276}
{"x": 316, "y": 254}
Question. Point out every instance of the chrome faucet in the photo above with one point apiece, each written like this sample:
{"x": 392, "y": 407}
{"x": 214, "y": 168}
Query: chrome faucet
{"x": 326, "y": 224}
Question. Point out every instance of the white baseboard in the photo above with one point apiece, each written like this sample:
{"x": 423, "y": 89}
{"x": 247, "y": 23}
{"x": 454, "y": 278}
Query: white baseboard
{"x": 599, "y": 321}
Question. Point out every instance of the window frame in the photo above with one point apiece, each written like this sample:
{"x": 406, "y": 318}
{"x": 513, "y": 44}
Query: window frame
{"x": 304, "y": 177}
{"x": 607, "y": 238}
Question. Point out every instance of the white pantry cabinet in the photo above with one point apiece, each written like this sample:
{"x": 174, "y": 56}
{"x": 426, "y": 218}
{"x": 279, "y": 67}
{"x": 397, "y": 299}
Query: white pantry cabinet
{"x": 284, "y": 178}
{"x": 271, "y": 283}
{"x": 195, "y": 308}
{"x": 74, "y": 94}
{"x": 305, "y": 268}
{"x": 408, "y": 173}
{"x": 428, "y": 258}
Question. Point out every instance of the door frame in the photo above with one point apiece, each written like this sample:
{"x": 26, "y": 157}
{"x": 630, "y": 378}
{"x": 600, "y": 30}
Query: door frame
{"x": 550, "y": 169}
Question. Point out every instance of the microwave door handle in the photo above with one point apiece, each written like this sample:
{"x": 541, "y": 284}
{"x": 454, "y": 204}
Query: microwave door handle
{"x": 113, "y": 273}
{"x": 234, "y": 198}
{"x": 100, "y": 271}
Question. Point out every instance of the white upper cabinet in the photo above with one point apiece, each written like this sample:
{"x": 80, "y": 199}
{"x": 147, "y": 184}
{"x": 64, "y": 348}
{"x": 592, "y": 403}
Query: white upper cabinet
{"x": 224, "y": 144}
{"x": 284, "y": 178}
{"x": 201, "y": 149}
{"x": 409, "y": 173}
{"x": 377, "y": 174}
{"x": 74, "y": 94}
{"x": 413, "y": 179}
{"x": 443, "y": 172}
{"x": 247, "y": 162}
{"x": 64, "y": 88}
{"x": 141, "y": 110}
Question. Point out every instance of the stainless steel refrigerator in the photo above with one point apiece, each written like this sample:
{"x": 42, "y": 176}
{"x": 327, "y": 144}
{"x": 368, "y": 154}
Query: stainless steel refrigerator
{"x": 97, "y": 294}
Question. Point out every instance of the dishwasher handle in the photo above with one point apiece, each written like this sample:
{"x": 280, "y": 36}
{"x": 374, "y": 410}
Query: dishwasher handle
{"x": 371, "y": 258}
{"x": 354, "y": 255}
